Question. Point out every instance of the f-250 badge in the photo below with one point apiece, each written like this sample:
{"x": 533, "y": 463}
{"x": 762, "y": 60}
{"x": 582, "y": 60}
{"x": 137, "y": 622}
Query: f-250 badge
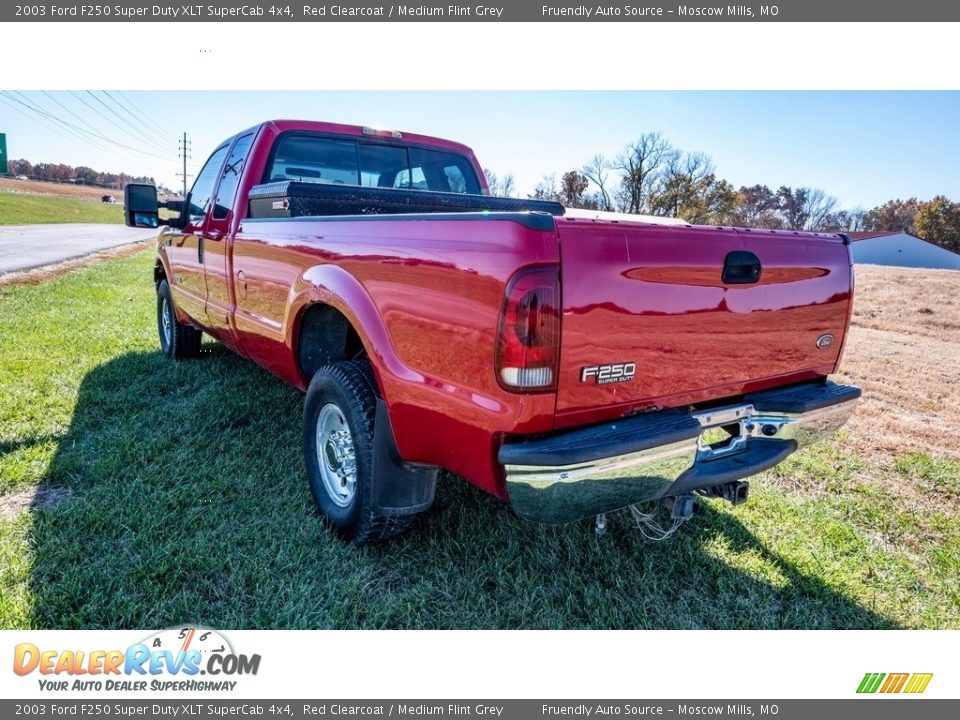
{"x": 610, "y": 373}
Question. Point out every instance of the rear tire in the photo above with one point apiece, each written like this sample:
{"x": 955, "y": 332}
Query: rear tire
{"x": 338, "y": 420}
{"x": 177, "y": 340}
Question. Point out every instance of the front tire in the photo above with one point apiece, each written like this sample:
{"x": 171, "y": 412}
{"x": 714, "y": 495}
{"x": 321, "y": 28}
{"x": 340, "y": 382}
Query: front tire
{"x": 338, "y": 420}
{"x": 177, "y": 340}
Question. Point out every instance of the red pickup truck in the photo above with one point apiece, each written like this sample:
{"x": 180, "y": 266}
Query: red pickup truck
{"x": 569, "y": 363}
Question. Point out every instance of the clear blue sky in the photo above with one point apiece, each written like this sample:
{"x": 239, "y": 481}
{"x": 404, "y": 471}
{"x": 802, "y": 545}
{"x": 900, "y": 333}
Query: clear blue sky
{"x": 863, "y": 147}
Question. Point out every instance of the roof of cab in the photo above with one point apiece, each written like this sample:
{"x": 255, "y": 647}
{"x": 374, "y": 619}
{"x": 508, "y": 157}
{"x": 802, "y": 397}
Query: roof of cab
{"x": 358, "y": 130}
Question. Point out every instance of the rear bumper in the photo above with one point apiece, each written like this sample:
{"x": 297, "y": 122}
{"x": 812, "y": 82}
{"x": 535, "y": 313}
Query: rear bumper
{"x": 585, "y": 472}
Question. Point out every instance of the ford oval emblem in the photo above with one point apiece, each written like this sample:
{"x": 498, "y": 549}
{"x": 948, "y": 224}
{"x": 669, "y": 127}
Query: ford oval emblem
{"x": 825, "y": 341}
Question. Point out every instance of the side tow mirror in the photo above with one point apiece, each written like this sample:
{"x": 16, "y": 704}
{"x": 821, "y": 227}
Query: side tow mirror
{"x": 140, "y": 206}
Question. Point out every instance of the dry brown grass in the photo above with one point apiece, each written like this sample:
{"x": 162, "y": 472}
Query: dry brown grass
{"x": 904, "y": 351}
{"x": 37, "y": 498}
{"x": 67, "y": 190}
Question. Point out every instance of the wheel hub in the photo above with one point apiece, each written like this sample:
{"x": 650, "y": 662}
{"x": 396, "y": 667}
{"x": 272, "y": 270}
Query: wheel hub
{"x": 336, "y": 455}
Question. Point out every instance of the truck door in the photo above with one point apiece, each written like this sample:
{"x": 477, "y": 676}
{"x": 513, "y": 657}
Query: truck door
{"x": 216, "y": 243}
{"x": 184, "y": 246}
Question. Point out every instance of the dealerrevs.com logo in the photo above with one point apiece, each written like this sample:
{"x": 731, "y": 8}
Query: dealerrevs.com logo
{"x": 170, "y": 660}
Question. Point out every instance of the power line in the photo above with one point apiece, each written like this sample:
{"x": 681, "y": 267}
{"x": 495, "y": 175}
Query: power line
{"x": 93, "y": 141}
{"x": 102, "y": 116}
{"x": 156, "y": 117}
{"x": 59, "y": 131}
{"x": 150, "y": 131}
{"x": 41, "y": 121}
{"x": 98, "y": 113}
{"x": 85, "y": 131}
{"x": 145, "y": 115}
{"x": 135, "y": 133}
{"x": 87, "y": 135}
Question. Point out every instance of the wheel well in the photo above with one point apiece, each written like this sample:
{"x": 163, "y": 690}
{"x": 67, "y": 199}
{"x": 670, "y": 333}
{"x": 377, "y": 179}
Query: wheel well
{"x": 158, "y": 274}
{"x": 325, "y": 336}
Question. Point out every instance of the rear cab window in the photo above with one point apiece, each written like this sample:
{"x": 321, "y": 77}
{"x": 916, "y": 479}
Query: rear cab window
{"x": 342, "y": 161}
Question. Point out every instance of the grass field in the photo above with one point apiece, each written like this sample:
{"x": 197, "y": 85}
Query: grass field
{"x": 135, "y": 492}
{"x": 28, "y": 209}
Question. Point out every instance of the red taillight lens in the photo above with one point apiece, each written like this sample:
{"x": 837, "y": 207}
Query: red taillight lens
{"x": 528, "y": 335}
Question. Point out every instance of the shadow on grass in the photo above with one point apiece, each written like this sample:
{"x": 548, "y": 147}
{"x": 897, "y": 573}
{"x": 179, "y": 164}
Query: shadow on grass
{"x": 189, "y": 503}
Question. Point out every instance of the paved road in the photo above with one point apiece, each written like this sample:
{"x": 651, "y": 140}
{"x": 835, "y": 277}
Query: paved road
{"x": 23, "y": 247}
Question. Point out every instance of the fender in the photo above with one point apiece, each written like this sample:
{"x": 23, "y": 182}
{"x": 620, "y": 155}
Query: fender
{"x": 164, "y": 263}
{"x": 334, "y": 286}
{"x": 399, "y": 488}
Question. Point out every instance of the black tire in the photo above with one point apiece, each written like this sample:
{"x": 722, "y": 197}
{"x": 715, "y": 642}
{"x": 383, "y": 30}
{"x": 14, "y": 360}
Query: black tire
{"x": 177, "y": 341}
{"x": 349, "y": 387}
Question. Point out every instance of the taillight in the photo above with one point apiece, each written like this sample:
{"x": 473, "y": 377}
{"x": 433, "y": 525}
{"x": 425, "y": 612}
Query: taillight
{"x": 528, "y": 334}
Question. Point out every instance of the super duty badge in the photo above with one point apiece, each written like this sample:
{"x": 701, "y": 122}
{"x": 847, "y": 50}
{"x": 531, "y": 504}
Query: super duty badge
{"x": 610, "y": 373}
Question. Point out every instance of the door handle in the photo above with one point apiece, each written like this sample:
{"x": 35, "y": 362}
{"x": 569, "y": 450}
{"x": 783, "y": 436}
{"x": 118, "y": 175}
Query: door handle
{"x": 200, "y": 249}
{"x": 740, "y": 267}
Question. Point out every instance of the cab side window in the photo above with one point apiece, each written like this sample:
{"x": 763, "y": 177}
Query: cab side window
{"x": 204, "y": 184}
{"x": 230, "y": 180}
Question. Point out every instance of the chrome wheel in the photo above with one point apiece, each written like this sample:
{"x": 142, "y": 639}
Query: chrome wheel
{"x": 336, "y": 455}
{"x": 165, "y": 323}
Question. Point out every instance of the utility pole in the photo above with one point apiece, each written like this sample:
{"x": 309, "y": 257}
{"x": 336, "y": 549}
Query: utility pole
{"x": 185, "y": 154}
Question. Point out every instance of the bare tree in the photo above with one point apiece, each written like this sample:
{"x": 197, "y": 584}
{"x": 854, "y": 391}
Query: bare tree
{"x": 641, "y": 164}
{"x": 791, "y": 206}
{"x": 845, "y": 220}
{"x": 493, "y": 182}
{"x": 807, "y": 208}
{"x": 855, "y": 219}
{"x": 680, "y": 190}
{"x": 597, "y": 172}
{"x": 547, "y": 188}
{"x": 820, "y": 209}
{"x": 500, "y": 187}
{"x": 757, "y": 206}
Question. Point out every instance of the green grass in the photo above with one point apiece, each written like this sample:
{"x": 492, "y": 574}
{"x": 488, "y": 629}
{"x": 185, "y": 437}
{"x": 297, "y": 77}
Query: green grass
{"x": 188, "y": 502}
{"x": 22, "y": 209}
{"x": 933, "y": 474}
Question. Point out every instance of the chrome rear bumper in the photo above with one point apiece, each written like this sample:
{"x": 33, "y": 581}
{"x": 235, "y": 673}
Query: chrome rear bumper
{"x": 585, "y": 472}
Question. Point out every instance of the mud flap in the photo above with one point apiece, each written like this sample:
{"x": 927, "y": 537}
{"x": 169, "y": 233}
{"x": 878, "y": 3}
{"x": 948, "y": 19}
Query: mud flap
{"x": 399, "y": 488}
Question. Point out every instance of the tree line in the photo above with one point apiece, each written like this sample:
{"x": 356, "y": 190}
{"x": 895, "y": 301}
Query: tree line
{"x": 82, "y": 175}
{"x": 652, "y": 177}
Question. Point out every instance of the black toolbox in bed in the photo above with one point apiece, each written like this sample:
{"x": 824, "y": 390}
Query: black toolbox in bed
{"x": 292, "y": 198}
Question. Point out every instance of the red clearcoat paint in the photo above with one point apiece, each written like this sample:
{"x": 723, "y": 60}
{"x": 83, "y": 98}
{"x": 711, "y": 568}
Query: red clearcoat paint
{"x": 425, "y": 298}
{"x": 652, "y": 295}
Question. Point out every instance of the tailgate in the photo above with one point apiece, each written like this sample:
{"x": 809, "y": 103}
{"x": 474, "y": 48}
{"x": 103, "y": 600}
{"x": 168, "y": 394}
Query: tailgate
{"x": 648, "y": 320}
